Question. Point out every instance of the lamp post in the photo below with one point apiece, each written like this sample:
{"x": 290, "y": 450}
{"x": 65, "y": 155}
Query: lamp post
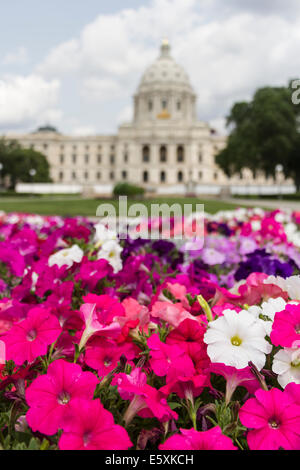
{"x": 32, "y": 173}
{"x": 1, "y": 168}
{"x": 278, "y": 170}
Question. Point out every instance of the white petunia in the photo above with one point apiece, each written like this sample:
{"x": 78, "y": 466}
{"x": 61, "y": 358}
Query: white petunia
{"x": 286, "y": 364}
{"x": 291, "y": 285}
{"x": 66, "y": 257}
{"x": 103, "y": 235}
{"x": 265, "y": 314}
{"x": 111, "y": 251}
{"x": 235, "y": 339}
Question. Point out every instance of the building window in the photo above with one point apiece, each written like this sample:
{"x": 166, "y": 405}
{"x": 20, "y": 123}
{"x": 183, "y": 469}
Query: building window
{"x": 200, "y": 175}
{"x": 73, "y": 175}
{"x": 145, "y": 176}
{"x": 74, "y": 158}
{"x": 61, "y": 175}
{"x": 164, "y": 104}
{"x": 74, "y": 147}
{"x": 112, "y": 175}
{"x": 179, "y": 176}
{"x": 112, "y": 159}
{"x": 215, "y": 175}
{"x": 86, "y": 158}
{"x": 180, "y": 153}
{"x": 178, "y": 105}
{"x": 98, "y": 158}
{"x": 200, "y": 158}
{"x": 162, "y": 176}
{"x": 61, "y": 159}
{"x": 125, "y": 157}
{"x": 124, "y": 175}
{"x": 45, "y": 146}
{"x": 86, "y": 175}
{"x": 163, "y": 153}
{"x": 98, "y": 175}
{"x": 112, "y": 147}
{"x": 87, "y": 147}
{"x": 146, "y": 153}
{"x": 150, "y": 105}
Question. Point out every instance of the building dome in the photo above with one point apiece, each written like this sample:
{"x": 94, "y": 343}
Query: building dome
{"x": 165, "y": 72}
{"x": 165, "y": 93}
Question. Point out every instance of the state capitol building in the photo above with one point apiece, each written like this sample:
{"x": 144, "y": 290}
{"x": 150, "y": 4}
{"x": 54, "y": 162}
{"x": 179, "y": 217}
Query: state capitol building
{"x": 165, "y": 148}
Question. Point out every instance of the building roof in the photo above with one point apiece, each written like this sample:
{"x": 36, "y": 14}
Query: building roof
{"x": 165, "y": 72}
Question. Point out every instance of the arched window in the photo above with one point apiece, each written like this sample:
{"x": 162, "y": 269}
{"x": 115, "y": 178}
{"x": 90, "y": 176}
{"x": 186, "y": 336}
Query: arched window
{"x": 162, "y": 176}
{"x": 145, "y": 176}
{"x": 124, "y": 175}
{"x": 146, "y": 153}
{"x": 61, "y": 175}
{"x": 179, "y": 176}
{"x": 163, "y": 153}
{"x": 180, "y": 153}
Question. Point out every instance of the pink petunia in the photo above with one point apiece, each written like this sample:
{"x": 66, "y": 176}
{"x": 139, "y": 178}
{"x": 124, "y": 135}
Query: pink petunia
{"x": 190, "y": 439}
{"x": 169, "y": 360}
{"x": 186, "y": 387}
{"x": 91, "y": 272}
{"x": 89, "y": 426}
{"x": 274, "y": 420}
{"x": 235, "y": 377}
{"x": 173, "y": 314}
{"x": 30, "y": 338}
{"x": 286, "y": 327}
{"x": 145, "y": 400}
{"x": 50, "y": 396}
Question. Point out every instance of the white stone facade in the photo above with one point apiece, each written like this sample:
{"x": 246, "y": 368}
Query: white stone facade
{"x": 164, "y": 149}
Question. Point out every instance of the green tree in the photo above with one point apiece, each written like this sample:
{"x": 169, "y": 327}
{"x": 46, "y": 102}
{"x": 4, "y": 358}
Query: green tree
{"x": 264, "y": 133}
{"x": 17, "y": 163}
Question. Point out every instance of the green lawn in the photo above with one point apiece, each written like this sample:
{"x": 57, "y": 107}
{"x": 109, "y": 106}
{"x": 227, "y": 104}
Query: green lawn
{"x": 73, "y": 206}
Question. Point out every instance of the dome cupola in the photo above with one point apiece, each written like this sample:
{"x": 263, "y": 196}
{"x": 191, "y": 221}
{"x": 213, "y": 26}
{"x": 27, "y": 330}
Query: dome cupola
{"x": 165, "y": 91}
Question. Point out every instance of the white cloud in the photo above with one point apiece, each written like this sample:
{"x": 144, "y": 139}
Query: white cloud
{"x": 17, "y": 57}
{"x": 228, "y": 48}
{"x": 125, "y": 115}
{"x": 27, "y": 100}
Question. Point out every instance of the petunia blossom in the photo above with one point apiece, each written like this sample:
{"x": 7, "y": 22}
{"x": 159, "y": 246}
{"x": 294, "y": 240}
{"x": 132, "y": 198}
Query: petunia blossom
{"x": 30, "y": 338}
{"x": 89, "y": 426}
{"x": 190, "y": 439}
{"x": 273, "y": 419}
{"x": 50, "y": 396}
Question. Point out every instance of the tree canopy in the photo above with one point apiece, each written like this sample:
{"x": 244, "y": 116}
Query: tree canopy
{"x": 264, "y": 133}
{"x": 17, "y": 163}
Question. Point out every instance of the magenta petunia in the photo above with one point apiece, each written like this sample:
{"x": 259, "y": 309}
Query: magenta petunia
{"x": 190, "y": 439}
{"x": 235, "y": 378}
{"x": 50, "y": 396}
{"x": 30, "y": 338}
{"x": 169, "y": 360}
{"x": 286, "y": 327}
{"x": 89, "y": 426}
{"x": 274, "y": 420}
{"x": 145, "y": 400}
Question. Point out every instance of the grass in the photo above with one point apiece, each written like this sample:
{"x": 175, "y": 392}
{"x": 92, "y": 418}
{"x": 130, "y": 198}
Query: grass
{"x": 87, "y": 207}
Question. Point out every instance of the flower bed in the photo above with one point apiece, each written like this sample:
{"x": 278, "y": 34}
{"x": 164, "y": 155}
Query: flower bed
{"x": 147, "y": 344}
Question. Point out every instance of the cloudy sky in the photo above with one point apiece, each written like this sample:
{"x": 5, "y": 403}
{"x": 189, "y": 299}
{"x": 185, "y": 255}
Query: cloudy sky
{"x": 76, "y": 64}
